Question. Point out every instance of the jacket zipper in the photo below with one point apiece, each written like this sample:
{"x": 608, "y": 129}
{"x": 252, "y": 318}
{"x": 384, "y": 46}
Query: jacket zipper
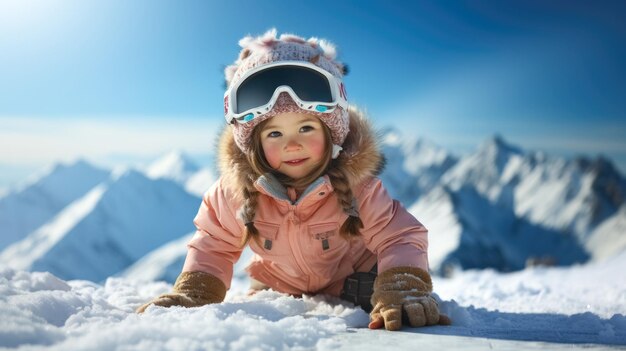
{"x": 295, "y": 241}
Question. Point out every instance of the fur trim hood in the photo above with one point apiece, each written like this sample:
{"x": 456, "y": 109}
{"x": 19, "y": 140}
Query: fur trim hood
{"x": 360, "y": 159}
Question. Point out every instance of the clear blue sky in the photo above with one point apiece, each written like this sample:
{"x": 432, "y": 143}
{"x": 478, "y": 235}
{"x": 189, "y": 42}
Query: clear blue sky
{"x": 130, "y": 79}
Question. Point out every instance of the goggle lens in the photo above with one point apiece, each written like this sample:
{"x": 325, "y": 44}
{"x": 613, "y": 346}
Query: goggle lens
{"x": 259, "y": 88}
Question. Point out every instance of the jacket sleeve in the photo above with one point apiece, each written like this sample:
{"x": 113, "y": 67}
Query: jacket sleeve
{"x": 390, "y": 231}
{"x": 215, "y": 247}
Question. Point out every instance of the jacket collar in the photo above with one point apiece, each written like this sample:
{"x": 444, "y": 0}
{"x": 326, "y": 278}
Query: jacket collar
{"x": 269, "y": 185}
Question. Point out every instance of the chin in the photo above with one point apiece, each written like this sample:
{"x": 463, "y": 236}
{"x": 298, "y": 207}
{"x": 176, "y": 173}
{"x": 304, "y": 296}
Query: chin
{"x": 295, "y": 176}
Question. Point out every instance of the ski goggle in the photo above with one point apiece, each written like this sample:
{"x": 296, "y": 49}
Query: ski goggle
{"x": 311, "y": 87}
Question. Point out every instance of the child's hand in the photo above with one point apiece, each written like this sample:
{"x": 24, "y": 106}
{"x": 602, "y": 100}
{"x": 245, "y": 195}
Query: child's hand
{"x": 169, "y": 300}
{"x": 192, "y": 289}
{"x": 404, "y": 290}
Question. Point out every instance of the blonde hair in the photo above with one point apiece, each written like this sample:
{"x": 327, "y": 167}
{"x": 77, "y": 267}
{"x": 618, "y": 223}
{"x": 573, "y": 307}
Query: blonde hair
{"x": 258, "y": 162}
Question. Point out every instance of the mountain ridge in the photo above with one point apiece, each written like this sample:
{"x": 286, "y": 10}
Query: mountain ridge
{"x": 499, "y": 207}
{"x": 130, "y": 216}
{"x": 38, "y": 199}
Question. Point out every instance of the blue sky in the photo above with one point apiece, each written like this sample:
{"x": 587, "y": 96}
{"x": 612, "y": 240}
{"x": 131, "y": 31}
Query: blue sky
{"x": 124, "y": 81}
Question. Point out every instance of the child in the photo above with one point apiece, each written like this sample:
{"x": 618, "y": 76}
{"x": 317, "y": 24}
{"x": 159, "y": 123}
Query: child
{"x": 298, "y": 184}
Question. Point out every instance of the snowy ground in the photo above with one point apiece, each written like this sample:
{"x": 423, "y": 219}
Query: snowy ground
{"x": 541, "y": 308}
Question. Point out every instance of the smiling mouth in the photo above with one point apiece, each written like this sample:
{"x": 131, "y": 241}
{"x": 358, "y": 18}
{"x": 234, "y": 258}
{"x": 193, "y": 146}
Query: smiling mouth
{"x": 296, "y": 162}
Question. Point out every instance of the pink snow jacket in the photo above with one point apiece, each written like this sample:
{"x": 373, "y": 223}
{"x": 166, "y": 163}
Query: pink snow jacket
{"x": 301, "y": 250}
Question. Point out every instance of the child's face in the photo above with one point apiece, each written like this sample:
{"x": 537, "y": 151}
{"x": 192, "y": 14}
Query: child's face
{"x": 293, "y": 143}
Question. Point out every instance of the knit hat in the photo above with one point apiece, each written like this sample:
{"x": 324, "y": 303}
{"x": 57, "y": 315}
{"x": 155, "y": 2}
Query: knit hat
{"x": 265, "y": 49}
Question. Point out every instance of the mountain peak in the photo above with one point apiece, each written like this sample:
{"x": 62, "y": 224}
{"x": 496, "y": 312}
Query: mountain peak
{"x": 56, "y": 175}
{"x": 123, "y": 172}
{"x": 608, "y": 182}
{"x": 174, "y": 165}
{"x": 597, "y": 165}
{"x": 62, "y": 169}
{"x": 497, "y": 144}
{"x": 498, "y": 151}
{"x": 390, "y": 136}
{"x": 42, "y": 196}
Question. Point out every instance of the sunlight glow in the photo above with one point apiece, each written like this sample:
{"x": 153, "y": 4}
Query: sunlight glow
{"x": 25, "y": 141}
{"x": 27, "y": 15}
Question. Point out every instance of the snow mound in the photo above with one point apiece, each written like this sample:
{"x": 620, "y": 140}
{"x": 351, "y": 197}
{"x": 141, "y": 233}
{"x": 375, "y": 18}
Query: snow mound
{"x": 552, "y": 307}
{"x": 40, "y": 309}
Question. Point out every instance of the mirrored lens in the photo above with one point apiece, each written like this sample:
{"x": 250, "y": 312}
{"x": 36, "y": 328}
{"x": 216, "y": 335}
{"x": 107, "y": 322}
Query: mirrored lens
{"x": 258, "y": 89}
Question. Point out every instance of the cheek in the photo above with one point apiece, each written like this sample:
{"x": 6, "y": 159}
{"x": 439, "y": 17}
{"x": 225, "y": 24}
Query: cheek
{"x": 317, "y": 146}
{"x": 272, "y": 154}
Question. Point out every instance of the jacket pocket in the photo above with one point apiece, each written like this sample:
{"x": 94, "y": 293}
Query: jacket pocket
{"x": 326, "y": 241}
{"x": 268, "y": 232}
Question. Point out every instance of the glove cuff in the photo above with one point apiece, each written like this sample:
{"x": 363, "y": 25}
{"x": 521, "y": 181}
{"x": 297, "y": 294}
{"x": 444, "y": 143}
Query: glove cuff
{"x": 404, "y": 278}
{"x": 200, "y": 286}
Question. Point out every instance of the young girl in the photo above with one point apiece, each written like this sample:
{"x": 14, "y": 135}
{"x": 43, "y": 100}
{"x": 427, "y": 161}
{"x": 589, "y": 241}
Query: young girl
{"x": 298, "y": 184}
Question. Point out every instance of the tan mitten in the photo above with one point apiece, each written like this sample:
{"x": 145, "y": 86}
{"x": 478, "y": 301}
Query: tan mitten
{"x": 403, "y": 294}
{"x": 191, "y": 289}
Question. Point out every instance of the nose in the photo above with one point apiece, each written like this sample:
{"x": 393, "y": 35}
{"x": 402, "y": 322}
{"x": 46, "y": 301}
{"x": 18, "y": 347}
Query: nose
{"x": 292, "y": 144}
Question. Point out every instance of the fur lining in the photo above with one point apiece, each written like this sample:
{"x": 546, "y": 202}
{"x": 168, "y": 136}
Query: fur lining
{"x": 360, "y": 160}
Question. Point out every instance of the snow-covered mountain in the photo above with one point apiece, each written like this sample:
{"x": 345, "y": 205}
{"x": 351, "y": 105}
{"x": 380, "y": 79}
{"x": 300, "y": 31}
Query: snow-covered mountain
{"x": 108, "y": 229}
{"x": 570, "y": 196}
{"x": 488, "y": 170}
{"x": 38, "y": 200}
{"x": 174, "y": 165}
{"x": 179, "y": 167}
{"x": 469, "y": 231}
{"x": 575, "y": 196}
{"x": 199, "y": 182}
{"x": 413, "y": 165}
{"x": 609, "y": 238}
{"x": 498, "y": 207}
{"x": 471, "y": 206}
{"x": 501, "y": 206}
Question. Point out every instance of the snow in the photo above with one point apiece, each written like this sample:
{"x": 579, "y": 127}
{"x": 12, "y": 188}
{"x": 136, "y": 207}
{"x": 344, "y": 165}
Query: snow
{"x": 39, "y": 309}
{"x": 555, "y": 308}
